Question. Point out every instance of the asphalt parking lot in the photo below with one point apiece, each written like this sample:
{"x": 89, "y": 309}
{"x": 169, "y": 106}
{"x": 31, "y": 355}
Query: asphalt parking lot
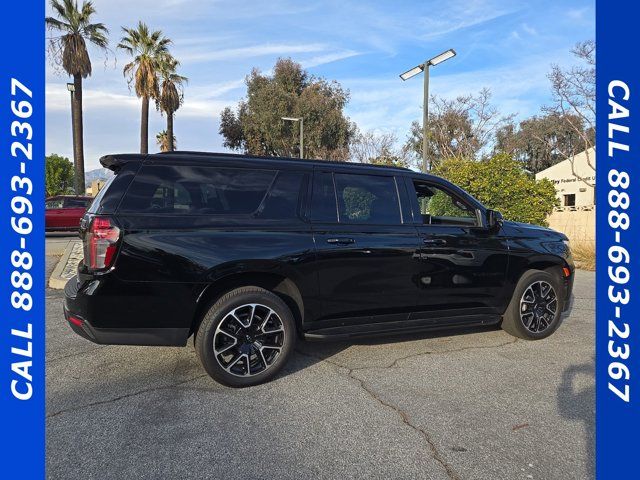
{"x": 456, "y": 405}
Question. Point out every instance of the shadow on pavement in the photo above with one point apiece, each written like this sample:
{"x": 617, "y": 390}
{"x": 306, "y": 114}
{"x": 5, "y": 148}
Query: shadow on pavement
{"x": 578, "y": 404}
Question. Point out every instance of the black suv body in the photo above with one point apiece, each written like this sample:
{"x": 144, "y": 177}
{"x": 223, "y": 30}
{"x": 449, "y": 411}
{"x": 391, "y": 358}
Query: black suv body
{"x": 247, "y": 253}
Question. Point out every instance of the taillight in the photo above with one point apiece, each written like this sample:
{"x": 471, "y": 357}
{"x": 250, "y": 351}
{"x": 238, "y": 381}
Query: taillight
{"x": 100, "y": 243}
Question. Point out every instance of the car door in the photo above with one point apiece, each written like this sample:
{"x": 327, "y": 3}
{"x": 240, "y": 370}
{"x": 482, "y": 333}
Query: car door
{"x": 365, "y": 249}
{"x": 54, "y": 214}
{"x": 463, "y": 264}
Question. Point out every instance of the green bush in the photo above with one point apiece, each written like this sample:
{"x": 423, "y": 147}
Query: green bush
{"x": 501, "y": 183}
{"x": 58, "y": 175}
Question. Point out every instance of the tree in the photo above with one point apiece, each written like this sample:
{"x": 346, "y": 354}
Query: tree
{"x": 147, "y": 49}
{"x": 500, "y": 183}
{"x": 171, "y": 94}
{"x": 574, "y": 99}
{"x": 166, "y": 145}
{"x": 540, "y": 141}
{"x": 58, "y": 175}
{"x": 377, "y": 148}
{"x": 255, "y": 126}
{"x": 70, "y": 50}
{"x": 458, "y": 128}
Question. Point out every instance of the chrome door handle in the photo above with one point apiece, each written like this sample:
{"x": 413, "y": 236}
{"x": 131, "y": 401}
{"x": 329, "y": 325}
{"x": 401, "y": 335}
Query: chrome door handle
{"x": 340, "y": 241}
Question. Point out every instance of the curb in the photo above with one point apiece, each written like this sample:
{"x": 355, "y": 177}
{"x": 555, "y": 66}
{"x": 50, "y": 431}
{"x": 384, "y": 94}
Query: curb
{"x": 67, "y": 265}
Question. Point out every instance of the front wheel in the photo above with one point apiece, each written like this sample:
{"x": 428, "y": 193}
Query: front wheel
{"x": 535, "y": 308}
{"x": 246, "y": 337}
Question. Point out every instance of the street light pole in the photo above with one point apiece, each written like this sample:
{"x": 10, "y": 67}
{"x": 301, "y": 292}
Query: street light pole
{"x": 425, "y": 119}
{"x": 301, "y": 120}
{"x": 424, "y": 67}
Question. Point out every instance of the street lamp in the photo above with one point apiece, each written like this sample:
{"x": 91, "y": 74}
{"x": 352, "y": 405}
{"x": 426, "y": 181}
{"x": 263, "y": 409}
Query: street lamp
{"x": 424, "y": 67}
{"x": 301, "y": 120}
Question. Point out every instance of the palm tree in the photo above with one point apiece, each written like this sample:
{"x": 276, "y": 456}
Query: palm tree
{"x": 147, "y": 49}
{"x": 70, "y": 49}
{"x": 171, "y": 94}
{"x": 162, "y": 139}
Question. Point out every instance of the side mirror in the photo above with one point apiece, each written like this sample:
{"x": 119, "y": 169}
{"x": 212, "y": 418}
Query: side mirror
{"x": 494, "y": 219}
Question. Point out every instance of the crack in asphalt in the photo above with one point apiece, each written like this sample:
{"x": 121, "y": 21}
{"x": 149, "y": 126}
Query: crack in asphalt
{"x": 404, "y": 416}
{"x": 128, "y": 395}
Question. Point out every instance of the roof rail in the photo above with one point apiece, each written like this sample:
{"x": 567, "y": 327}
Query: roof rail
{"x": 287, "y": 159}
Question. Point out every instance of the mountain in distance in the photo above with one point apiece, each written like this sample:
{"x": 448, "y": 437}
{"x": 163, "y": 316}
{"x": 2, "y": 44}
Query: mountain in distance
{"x": 97, "y": 174}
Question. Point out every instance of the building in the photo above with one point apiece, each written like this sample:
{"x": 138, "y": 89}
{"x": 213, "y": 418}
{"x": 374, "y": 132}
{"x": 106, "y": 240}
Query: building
{"x": 95, "y": 187}
{"x": 575, "y": 180}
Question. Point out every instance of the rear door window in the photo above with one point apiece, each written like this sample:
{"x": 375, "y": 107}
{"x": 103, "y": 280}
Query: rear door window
{"x": 194, "y": 190}
{"x": 367, "y": 199}
{"x": 75, "y": 203}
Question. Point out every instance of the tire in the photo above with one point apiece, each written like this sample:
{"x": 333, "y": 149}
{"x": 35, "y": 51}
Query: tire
{"x": 529, "y": 314}
{"x": 246, "y": 337}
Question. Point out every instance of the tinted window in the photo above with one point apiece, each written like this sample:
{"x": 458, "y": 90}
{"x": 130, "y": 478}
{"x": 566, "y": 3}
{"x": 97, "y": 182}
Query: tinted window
{"x": 323, "y": 205}
{"x": 284, "y": 196}
{"x": 52, "y": 204}
{"x": 368, "y": 199}
{"x": 197, "y": 190}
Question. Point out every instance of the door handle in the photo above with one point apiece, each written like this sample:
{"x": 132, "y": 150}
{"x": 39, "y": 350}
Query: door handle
{"x": 434, "y": 241}
{"x": 340, "y": 241}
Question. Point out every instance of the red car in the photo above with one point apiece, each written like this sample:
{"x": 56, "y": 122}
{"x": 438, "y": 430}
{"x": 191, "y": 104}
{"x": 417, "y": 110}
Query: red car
{"x": 63, "y": 212}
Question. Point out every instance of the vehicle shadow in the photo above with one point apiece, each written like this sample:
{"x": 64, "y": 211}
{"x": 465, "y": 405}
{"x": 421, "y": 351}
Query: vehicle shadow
{"x": 309, "y": 353}
{"x": 578, "y": 404}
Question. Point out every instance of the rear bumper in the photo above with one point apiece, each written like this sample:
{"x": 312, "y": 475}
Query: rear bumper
{"x": 78, "y": 315}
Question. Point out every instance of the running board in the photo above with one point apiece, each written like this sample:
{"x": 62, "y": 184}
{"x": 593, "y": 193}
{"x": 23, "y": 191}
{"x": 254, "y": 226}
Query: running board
{"x": 400, "y": 327}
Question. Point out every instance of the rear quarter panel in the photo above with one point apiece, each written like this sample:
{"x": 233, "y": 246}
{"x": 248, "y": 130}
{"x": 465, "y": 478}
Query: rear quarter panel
{"x": 165, "y": 270}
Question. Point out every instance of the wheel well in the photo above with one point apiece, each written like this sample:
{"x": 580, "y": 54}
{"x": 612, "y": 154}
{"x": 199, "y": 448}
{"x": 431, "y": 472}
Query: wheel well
{"x": 546, "y": 266}
{"x": 282, "y": 286}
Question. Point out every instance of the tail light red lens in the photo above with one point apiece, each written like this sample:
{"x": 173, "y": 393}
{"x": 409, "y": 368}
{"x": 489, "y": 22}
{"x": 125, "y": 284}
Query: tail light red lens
{"x": 101, "y": 243}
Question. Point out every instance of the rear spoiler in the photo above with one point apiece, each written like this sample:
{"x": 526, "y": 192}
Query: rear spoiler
{"x": 115, "y": 162}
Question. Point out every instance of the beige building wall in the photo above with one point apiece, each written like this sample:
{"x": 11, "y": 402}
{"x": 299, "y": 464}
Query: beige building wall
{"x": 574, "y": 179}
{"x": 576, "y": 215}
{"x": 579, "y": 226}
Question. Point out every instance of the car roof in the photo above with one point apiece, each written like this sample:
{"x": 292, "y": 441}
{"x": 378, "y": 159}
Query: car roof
{"x": 115, "y": 161}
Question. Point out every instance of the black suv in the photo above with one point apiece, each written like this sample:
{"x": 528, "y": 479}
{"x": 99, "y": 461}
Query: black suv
{"x": 248, "y": 253}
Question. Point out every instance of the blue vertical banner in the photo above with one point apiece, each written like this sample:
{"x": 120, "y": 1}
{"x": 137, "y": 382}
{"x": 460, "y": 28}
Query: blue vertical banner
{"x": 618, "y": 240}
{"x": 22, "y": 312}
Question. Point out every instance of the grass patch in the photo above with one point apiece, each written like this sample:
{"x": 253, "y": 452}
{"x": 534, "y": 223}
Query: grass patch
{"x": 584, "y": 255}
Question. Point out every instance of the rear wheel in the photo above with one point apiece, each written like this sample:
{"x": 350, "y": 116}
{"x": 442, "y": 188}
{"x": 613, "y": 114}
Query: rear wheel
{"x": 246, "y": 337}
{"x": 535, "y": 308}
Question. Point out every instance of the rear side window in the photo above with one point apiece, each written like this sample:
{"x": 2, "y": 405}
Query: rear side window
{"x": 197, "y": 190}
{"x": 369, "y": 199}
{"x": 283, "y": 200}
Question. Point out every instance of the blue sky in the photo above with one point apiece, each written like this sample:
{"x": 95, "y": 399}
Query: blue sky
{"x": 507, "y": 46}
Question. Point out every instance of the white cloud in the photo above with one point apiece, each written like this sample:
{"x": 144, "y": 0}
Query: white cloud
{"x": 328, "y": 58}
{"x": 259, "y": 50}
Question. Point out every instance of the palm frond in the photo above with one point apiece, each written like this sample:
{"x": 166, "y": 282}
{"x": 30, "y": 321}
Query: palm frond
{"x": 70, "y": 50}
